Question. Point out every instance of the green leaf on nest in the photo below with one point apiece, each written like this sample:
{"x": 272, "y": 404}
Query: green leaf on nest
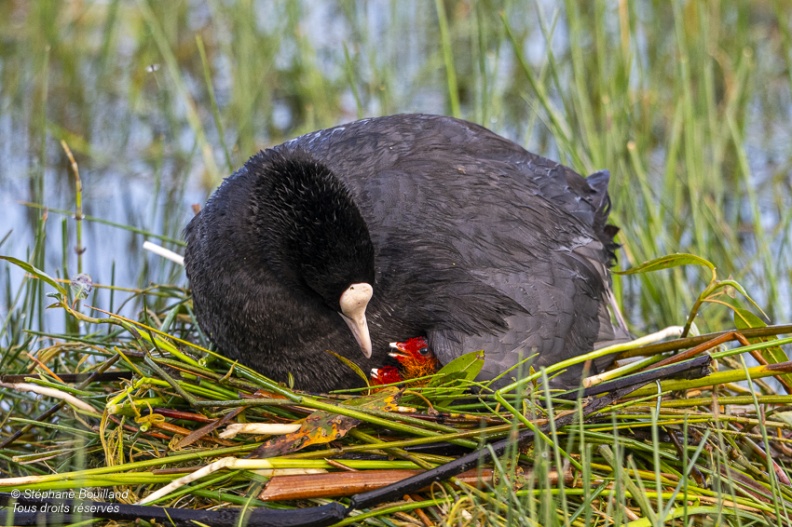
{"x": 351, "y": 365}
{"x": 465, "y": 367}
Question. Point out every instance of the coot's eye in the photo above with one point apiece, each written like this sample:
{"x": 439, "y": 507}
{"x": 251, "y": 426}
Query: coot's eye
{"x": 424, "y": 351}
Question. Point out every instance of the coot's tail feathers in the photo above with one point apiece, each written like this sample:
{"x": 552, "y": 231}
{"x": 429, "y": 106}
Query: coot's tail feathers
{"x": 609, "y": 311}
{"x": 598, "y": 182}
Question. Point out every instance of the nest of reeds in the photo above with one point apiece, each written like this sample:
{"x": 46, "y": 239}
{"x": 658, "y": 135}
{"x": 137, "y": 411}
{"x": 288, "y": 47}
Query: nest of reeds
{"x": 134, "y": 420}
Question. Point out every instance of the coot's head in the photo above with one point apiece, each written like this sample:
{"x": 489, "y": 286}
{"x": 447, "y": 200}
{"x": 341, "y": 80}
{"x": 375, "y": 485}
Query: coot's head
{"x": 314, "y": 237}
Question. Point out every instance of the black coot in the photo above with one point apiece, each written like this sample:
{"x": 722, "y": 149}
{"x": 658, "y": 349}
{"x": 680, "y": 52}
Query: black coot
{"x": 384, "y": 229}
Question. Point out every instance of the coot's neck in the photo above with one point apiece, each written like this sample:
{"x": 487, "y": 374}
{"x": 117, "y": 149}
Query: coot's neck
{"x": 315, "y": 235}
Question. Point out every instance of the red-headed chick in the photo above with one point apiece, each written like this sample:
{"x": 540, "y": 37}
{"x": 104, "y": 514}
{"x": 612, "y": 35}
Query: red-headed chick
{"x": 415, "y": 360}
{"x": 385, "y": 375}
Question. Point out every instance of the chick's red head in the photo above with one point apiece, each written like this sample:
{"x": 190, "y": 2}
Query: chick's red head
{"x": 385, "y": 375}
{"x": 415, "y": 357}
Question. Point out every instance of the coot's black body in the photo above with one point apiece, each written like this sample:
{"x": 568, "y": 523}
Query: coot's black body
{"x": 466, "y": 238}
